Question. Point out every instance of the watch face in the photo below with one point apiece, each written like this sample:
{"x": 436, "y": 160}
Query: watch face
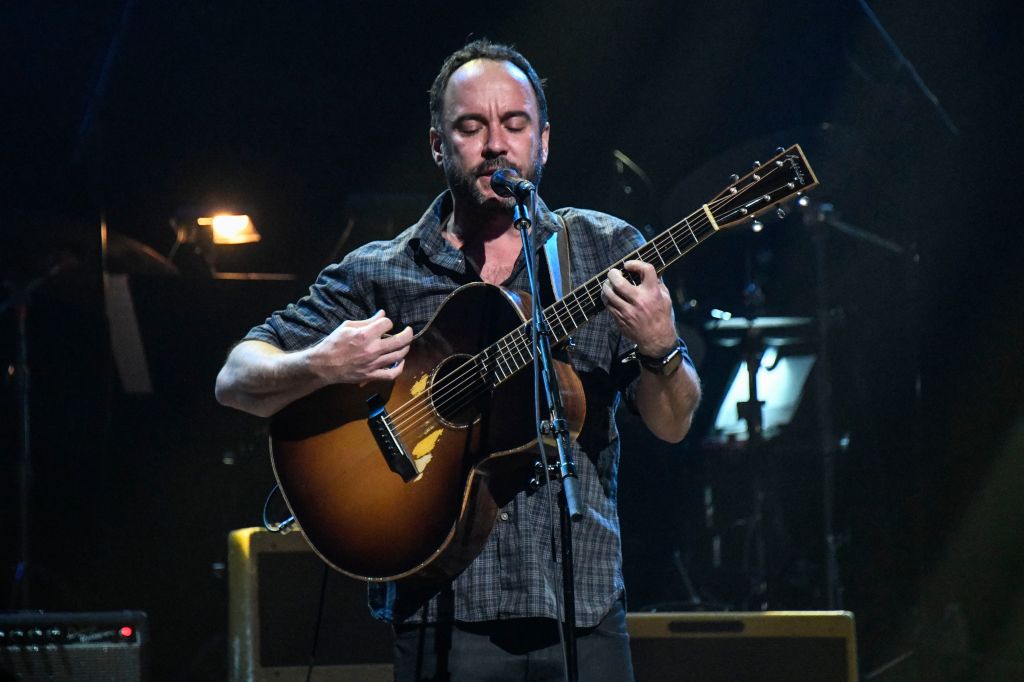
{"x": 666, "y": 365}
{"x": 672, "y": 362}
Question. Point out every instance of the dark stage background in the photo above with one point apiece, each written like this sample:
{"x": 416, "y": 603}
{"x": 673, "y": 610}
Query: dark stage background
{"x": 313, "y": 116}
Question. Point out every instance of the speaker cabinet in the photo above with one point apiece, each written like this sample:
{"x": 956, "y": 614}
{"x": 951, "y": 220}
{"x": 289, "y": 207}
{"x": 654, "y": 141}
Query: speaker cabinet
{"x": 275, "y": 583}
{"x": 74, "y": 647}
{"x": 768, "y": 646}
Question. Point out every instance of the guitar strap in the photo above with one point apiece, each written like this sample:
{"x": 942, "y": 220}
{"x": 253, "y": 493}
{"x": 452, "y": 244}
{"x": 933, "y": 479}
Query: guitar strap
{"x": 556, "y": 249}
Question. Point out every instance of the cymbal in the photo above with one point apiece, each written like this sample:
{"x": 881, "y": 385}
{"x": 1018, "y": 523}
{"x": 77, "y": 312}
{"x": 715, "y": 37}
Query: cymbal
{"x": 756, "y": 323}
{"x": 130, "y": 256}
{"x": 770, "y": 331}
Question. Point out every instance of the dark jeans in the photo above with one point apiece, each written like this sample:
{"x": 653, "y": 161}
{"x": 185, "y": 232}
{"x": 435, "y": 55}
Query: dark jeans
{"x": 520, "y": 650}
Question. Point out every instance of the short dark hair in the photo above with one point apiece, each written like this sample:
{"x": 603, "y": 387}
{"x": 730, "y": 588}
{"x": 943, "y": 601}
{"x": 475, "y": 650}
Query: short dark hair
{"x": 483, "y": 48}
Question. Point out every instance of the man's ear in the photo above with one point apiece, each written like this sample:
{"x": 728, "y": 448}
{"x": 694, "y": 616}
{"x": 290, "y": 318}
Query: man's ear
{"x": 435, "y": 148}
{"x": 544, "y": 135}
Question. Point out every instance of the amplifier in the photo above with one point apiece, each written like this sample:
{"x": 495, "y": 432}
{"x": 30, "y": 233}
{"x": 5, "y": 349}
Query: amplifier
{"x": 767, "y": 646}
{"x": 74, "y": 647}
{"x": 274, "y": 585}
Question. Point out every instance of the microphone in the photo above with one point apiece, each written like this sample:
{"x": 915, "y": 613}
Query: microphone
{"x": 506, "y": 182}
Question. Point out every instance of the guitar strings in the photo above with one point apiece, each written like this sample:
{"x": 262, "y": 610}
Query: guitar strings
{"x": 459, "y": 382}
{"x": 465, "y": 383}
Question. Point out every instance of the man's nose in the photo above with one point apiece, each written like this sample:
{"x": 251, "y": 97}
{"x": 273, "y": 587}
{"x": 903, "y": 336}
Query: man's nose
{"x": 497, "y": 142}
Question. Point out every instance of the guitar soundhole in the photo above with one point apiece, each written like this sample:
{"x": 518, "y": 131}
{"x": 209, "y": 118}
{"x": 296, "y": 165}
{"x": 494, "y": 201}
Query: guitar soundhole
{"x": 457, "y": 393}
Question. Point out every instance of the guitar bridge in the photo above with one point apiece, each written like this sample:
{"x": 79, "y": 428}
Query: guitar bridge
{"x": 398, "y": 458}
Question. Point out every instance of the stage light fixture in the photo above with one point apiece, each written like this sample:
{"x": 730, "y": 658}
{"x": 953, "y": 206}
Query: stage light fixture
{"x": 230, "y": 229}
{"x": 203, "y": 232}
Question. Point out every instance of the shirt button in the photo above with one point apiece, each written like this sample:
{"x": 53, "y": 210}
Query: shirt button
{"x": 504, "y": 516}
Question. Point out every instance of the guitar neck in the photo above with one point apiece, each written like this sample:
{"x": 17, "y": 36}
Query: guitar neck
{"x": 579, "y": 306}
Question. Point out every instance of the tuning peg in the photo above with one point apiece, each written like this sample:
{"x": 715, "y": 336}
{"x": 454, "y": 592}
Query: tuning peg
{"x": 779, "y": 150}
{"x": 756, "y": 226}
{"x": 757, "y": 164}
{"x": 734, "y": 178}
{"x": 780, "y": 212}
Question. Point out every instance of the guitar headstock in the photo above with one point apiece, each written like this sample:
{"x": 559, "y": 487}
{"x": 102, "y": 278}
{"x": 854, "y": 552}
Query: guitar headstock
{"x": 779, "y": 179}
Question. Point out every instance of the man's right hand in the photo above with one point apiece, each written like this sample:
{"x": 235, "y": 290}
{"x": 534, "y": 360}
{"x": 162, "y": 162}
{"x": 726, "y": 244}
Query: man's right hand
{"x": 260, "y": 378}
{"x": 359, "y": 351}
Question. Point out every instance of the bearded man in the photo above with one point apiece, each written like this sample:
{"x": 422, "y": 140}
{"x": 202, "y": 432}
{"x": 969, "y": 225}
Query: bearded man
{"x": 498, "y": 618}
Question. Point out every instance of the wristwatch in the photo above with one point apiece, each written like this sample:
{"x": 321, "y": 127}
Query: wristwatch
{"x": 665, "y": 365}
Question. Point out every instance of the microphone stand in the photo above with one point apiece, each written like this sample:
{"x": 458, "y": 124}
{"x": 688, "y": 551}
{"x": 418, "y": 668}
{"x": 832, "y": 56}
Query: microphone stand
{"x": 556, "y": 426}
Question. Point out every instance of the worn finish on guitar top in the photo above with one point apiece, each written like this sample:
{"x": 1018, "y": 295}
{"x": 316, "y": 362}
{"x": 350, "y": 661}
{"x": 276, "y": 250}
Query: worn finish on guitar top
{"x": 470, "y": 440}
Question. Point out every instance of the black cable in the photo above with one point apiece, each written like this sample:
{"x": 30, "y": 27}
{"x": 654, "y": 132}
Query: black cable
{"x": 267, "y": 523}
{"x": 316, "y": 628}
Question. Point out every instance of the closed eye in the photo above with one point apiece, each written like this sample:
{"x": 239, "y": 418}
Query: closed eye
{"x": 468, "y": 126}
{"x": 516, "y": 122}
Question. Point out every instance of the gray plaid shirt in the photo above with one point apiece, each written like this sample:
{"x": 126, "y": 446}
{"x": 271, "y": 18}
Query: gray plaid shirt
{"x": 518, "y": 573}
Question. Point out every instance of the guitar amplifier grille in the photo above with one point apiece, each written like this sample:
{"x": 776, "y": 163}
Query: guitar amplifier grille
{"x": 274, "y": 582}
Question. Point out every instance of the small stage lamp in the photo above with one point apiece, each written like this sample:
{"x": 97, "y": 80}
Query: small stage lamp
{"x": 230, "y": 229}
{"x": 201, "y": 232}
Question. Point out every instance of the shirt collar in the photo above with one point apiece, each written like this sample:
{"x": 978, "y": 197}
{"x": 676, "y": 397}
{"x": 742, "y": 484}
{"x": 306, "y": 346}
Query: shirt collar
{"x": 428, "y": 239}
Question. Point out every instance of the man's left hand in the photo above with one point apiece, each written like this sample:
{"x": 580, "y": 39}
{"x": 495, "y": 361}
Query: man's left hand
{"x": 643, "y": 311}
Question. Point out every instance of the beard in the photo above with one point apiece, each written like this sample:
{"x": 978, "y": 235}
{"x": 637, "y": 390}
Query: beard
{"x": 463, "y": 183}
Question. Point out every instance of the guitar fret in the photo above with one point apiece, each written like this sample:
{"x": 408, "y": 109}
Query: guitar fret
{"x": 674, "y": 244}
{"x": 486, "y": 369}
{"x": 501, "y": 372}
{"x": 590, "y": 295}
{"x": 566, "y": 328}
{"x": 480, "y": 364}
{"x": 579, "y": 307}
{"x": 515, "y": 353}
{"x": 487, "y": 365}
{"x": 586, "y": 290}
{"x": 686, "y": 221}
{"x": 657, "y": 252}
{"x": 558, "y": 321}
{"x": 506, "y": 358}
{"x": 523, "y": 349}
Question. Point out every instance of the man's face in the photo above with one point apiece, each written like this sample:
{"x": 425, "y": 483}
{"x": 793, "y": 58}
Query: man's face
{"x": 491, "y": 121}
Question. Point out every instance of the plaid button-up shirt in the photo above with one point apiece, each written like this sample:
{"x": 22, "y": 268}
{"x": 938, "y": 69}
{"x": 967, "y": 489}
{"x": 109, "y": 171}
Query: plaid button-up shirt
{"x": 518, "y": 573}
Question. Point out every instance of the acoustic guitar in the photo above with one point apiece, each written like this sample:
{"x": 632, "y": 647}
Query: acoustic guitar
{"x": 393, "y": 480}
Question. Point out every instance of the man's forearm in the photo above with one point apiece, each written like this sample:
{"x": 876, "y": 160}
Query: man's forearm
{"x": 667, "y": 404}
{"x": 260, "y": 378}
